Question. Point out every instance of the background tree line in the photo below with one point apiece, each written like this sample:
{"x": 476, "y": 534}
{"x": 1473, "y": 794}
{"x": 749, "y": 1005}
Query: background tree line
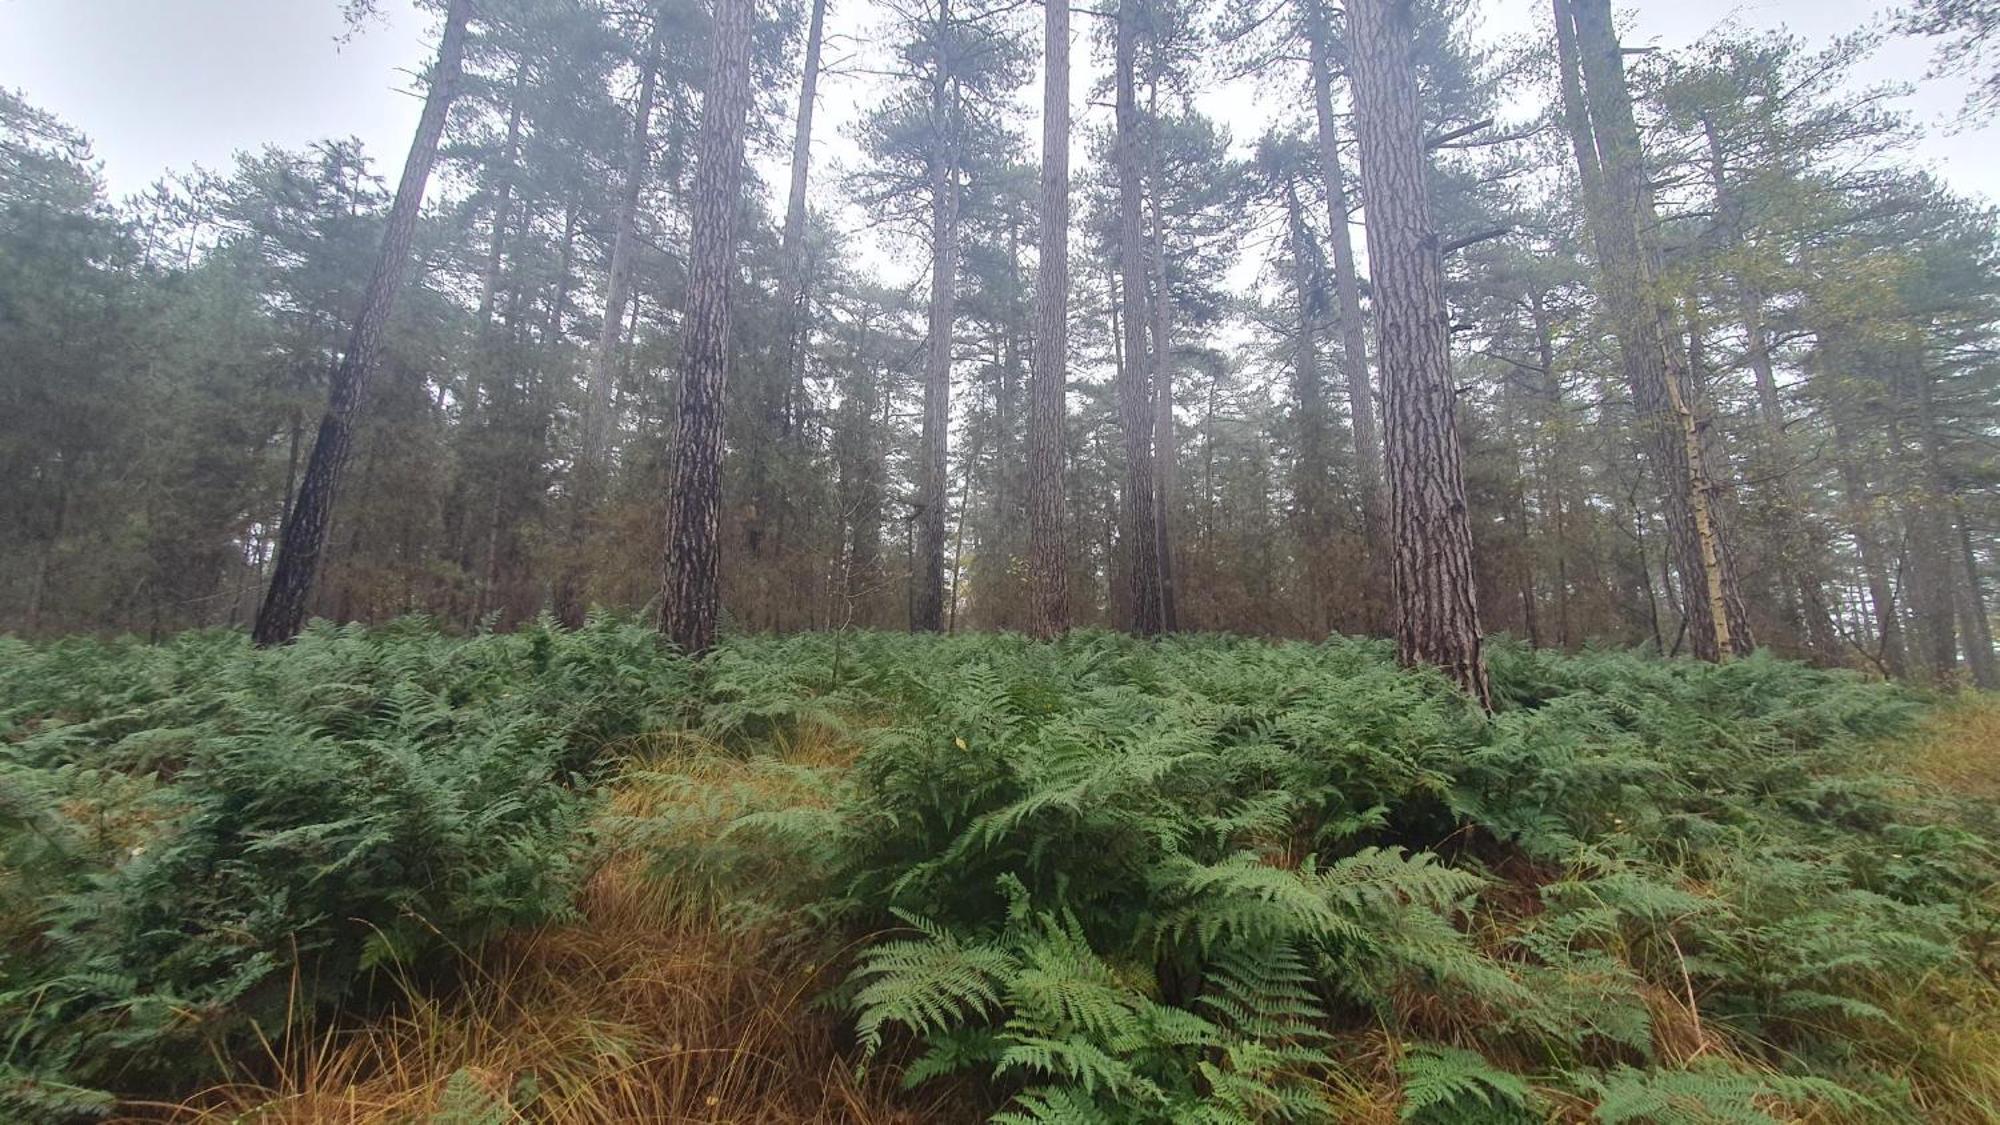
{"x": 1712, "y": 362}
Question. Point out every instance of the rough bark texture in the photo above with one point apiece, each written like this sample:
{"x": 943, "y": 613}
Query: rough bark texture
{"x": 304, "y": 536}
{"x": 1605, "y": 138}
{"x": 1048, "y": 549}
{"x": 1432, "y": 580}
{"x": 1347, "y": 294}
{"x": 694, "y": 496}
{"x": 927, "y": 600}
{"x": 1139, "y": 525}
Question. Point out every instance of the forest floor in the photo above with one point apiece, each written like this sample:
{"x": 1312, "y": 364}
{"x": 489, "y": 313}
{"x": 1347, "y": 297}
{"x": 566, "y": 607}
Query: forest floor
{"x": 654, "y": 1005}
{"x": 388, "y": 874}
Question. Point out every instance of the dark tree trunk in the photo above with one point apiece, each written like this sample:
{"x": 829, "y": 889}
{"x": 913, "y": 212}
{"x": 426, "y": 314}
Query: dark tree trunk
{"x": 694, "y": 496}
{"x": 1432, "y": 580}
{"x": 1048, "y": 542}
{"x": 1139, "y": 524}
{"x": 1891, "y": 652}
{"x": 304, "y": 536}
{"x": 927, "y": 598}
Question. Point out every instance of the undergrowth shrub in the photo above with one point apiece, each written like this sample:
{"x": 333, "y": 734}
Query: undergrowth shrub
{"x": 1164, "y": 881}
{"x": 201, "y": 837}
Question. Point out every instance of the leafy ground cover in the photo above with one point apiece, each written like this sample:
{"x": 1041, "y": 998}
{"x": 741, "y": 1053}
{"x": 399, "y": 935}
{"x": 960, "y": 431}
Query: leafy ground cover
{"x": 387, "y": 874}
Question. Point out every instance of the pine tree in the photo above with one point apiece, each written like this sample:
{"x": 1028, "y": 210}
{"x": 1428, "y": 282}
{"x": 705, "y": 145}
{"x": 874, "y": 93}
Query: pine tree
{"x": 303, "y": 539}
{"x": 1436, "y": 606}
{"x": 694, "y": 494}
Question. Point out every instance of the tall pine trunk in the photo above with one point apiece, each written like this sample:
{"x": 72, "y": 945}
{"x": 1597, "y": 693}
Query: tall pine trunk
{"x": 1347, "y": 294}
{"x": 1164, "y": 450}
{"x": 927, "y": 598}
{"x": 1605, "y": 138}
{"x": 1139, "y": 526}
{"x": 1432, "y": 580}
{"x": 694, "y": 496}
{"x": 1048, "y": 546}
{"x": 1311, "y": 513}
{"x": 303, "y": 538}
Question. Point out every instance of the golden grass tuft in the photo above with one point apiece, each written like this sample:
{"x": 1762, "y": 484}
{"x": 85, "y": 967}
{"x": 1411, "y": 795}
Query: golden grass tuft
{"x": 1957, "y": 747}
{"x": 647, "y": 1008}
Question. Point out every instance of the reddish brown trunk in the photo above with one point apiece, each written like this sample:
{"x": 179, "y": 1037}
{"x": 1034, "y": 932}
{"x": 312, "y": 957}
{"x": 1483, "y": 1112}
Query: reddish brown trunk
{"x": 688, "y": 599}
{"x": 1432, "y": 580}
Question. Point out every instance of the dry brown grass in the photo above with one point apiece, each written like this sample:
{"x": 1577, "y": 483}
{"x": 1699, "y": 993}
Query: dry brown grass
{"x": 1958, "y": 748}
{"x": 647, "y": 1008}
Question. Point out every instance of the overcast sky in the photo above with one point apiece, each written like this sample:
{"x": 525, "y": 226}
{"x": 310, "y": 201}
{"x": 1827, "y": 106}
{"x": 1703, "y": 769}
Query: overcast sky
{"x": 164, "y": 84}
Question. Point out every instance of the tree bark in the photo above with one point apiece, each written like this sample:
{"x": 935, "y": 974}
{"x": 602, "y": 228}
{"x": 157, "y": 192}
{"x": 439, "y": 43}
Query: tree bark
{"x": 1432, "y": 580}
{"x": 1139, "y": 526}
{"x": 303, "y": 538}
{"x": 694, "y": 498}
{"x": 927, "y": 599}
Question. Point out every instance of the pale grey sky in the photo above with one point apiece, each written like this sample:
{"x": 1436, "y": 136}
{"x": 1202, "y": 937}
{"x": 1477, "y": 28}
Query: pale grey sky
{"x": 163, "y": 84}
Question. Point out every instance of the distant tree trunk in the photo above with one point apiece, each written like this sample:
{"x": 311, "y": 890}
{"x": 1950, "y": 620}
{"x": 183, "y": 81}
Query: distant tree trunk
{"x": 1891, "y": 652}
{"x": 1347, "y": 293}
{"x": 694, "y": 496}
{"x": 588, "y": 480}
{"x": 1800, "y": 577}
{"x": 1933, "y": 601}
{"x": 303, "y": 538}
{"x": 1164, "y": 450}
{"x": 1048, "y": 541}
{"x": 1310, "y": 468}
{"x": 794, "y": 293}
{"x": 768, "y": 513}
{"x": 1432, "y": 581}
{"x": 1605, "y": 138}
{"x": 1977, "y": 628}
{"x": 1139, "y": 526}
{"x": 927, "y": 599}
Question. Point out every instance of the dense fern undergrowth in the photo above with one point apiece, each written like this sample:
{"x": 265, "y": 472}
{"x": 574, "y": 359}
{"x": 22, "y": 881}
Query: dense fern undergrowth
{"x": 1203, "y": 879}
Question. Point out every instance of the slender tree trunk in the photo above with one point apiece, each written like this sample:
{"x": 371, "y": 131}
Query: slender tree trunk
{"x": 303, "y": 538}
{"x": 590, "y": 476}
{"x": 1310, "y": 508}
{"x": 1165, "y": 452}
{"x": 1347, "y": 293}
{"x": 694, "y": 496}
{"x": 1933, "y": 601}
{"x": 1605, "y": 138}
{"x": 1891, "y": 652}
{"x": 927, "y": 599}
{"x": 1139, "y": 526}
{"x": 1978, "y": 629}
{"x": 1435, "y": 590}
{"x": 794, "y": 293}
